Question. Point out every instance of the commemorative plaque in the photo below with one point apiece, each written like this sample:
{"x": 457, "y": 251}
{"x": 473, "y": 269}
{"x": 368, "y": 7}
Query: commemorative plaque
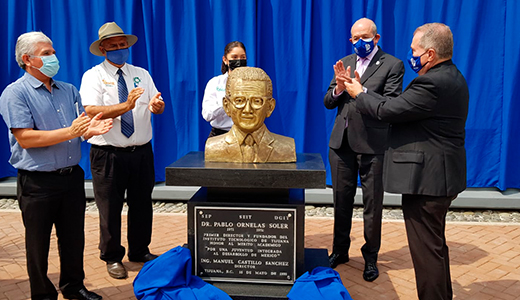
{"x": 255, "y": 244}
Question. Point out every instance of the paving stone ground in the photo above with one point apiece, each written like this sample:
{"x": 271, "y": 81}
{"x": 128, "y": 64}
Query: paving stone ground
{"x": 485, "y": 258}
{"x": 389, "y": 213}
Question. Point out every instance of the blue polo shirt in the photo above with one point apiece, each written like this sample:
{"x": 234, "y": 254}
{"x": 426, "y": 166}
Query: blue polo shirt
{"x": 27, "y": 103}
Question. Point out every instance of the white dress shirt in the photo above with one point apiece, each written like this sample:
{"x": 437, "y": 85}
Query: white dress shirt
{"x": 212, "y": 110}
{"x": 99, "y": 87}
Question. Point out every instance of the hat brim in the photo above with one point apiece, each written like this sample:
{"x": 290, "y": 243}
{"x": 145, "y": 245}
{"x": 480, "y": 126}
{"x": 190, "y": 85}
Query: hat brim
{"x": 94, "y": 47}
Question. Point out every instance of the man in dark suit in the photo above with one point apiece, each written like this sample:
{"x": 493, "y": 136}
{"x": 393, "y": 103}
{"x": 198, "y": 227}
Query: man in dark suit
{"x": 426, "y": 159}
{"x": 358, "y": 142}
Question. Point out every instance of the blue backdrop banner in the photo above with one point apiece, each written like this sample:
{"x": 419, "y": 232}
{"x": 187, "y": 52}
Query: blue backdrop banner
{"x": 181, "y": 43}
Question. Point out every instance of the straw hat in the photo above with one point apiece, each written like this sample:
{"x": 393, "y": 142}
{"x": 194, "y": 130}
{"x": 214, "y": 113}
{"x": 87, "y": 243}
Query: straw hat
{"x": 109, "y": 30}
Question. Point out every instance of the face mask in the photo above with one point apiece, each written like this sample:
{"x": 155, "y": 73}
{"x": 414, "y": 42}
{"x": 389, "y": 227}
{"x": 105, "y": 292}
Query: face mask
{"x": 415, "y": 61}
{"x": 119, "y": 56}
{"x": 364, "y": 47}
{"x": 50, "y": 66}
{"x": 236, "y": 63}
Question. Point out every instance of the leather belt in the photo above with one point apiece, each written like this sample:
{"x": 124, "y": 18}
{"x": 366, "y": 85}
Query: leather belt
{"x": 62, "y": 172}
{"x": 122, "y": 149}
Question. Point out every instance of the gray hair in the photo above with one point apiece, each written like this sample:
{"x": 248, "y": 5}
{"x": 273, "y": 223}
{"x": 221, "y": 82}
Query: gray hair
{"x": 436, "y": 36}
{"x": 26, "y": 44}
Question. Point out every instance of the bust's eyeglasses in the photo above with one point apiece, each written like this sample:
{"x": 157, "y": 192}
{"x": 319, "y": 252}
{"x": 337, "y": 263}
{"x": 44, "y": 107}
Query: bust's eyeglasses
{"x": 255, "y": 101}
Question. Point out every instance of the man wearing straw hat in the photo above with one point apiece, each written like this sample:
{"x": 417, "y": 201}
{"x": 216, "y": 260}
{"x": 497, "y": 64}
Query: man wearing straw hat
{"x": 122, "y": 160}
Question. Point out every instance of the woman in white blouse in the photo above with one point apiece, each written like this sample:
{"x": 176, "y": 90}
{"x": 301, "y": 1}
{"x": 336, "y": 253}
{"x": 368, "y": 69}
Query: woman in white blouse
{"x": 212, "y": 110}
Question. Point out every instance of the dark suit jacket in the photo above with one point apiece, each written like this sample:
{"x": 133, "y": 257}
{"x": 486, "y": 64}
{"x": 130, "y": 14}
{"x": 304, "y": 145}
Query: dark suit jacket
{"x": 426, "y": 154}
{"x": 271, "y": 148}
{"x": 384, "y": 76}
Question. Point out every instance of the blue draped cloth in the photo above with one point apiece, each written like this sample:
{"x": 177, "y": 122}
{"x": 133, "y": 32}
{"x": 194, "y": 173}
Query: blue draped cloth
{"x": 169, "y": 277}
{"x": 321, "y": 283}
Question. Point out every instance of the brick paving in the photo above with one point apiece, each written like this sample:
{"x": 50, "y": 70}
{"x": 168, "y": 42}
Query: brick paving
{"x": 485, "y": 258}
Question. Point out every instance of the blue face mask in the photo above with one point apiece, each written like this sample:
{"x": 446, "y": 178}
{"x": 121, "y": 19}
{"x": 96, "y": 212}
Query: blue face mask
{"x": 50, "y": 66}
{"x": 415, "y": 61}
{"x": 363, "y": 47}
{"x": 119, "y": 56}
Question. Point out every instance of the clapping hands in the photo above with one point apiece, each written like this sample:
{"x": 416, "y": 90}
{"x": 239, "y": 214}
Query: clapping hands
{"x": 353, "y": 85}
{"x": 99, "y": 126}
{"x": 340, "y": 75}
{"x": 156, "y": 105}
{"x": 86, "y": 127}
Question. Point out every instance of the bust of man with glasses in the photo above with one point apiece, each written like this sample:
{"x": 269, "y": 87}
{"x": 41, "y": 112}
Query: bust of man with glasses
{"x": 248, "y": 102}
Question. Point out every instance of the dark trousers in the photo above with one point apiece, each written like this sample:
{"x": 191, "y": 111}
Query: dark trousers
{"x": 114, "y": 172}
{"x": 48, "y": 199}
{"x": 425, "y": 221}
{"x": 345, "y": 165}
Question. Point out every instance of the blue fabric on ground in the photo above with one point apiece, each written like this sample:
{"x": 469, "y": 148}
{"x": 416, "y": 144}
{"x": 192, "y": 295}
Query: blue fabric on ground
{"x": 322, "y": 283}
{"x": 169, "y": 277}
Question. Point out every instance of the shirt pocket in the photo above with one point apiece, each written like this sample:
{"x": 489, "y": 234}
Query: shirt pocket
{"x": 110, "y": 96}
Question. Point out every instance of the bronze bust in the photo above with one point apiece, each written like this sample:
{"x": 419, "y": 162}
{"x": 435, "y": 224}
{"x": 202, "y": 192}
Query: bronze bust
{"x": 248, "y": 102}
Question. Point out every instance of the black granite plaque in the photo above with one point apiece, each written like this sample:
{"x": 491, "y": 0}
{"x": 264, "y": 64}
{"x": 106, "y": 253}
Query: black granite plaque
{"x": 253, "y": 244}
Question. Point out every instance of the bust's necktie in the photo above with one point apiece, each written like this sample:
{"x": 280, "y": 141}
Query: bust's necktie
{"x": 127, "y": 120}
{"x": 248, "y": 149}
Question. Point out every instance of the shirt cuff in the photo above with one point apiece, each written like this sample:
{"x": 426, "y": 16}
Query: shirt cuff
{"x": 334, "y": 93}
{"x": 364, "y": 91}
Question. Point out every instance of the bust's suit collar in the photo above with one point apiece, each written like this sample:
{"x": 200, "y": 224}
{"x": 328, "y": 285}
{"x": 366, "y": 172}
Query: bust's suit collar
{"x": 263, "y": 138}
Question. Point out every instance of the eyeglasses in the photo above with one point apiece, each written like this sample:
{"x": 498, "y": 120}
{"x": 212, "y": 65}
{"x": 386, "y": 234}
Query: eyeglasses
{"x": 255, "y": 101}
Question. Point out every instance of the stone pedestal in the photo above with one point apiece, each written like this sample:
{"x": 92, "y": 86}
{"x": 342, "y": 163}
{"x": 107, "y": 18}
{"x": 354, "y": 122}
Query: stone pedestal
{"x": 246, "y": 223}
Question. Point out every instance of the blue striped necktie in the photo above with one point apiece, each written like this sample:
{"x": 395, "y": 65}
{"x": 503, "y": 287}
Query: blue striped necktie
{"x": 127, "y": 120}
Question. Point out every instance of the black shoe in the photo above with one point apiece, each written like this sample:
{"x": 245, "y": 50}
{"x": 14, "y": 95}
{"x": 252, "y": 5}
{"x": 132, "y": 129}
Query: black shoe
{"x": 145, "y": 258}
{"x": 371, "y": 272}
{"x": 82, "y": 294}
{"x": 116, "y": 270}
{"x": 337, "y": 259}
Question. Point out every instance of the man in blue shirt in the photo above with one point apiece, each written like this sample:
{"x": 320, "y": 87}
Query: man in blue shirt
{"x": 47, "y": 123}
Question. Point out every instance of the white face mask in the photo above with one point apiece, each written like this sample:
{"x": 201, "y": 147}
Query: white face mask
{"x": 51, "y": 65}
